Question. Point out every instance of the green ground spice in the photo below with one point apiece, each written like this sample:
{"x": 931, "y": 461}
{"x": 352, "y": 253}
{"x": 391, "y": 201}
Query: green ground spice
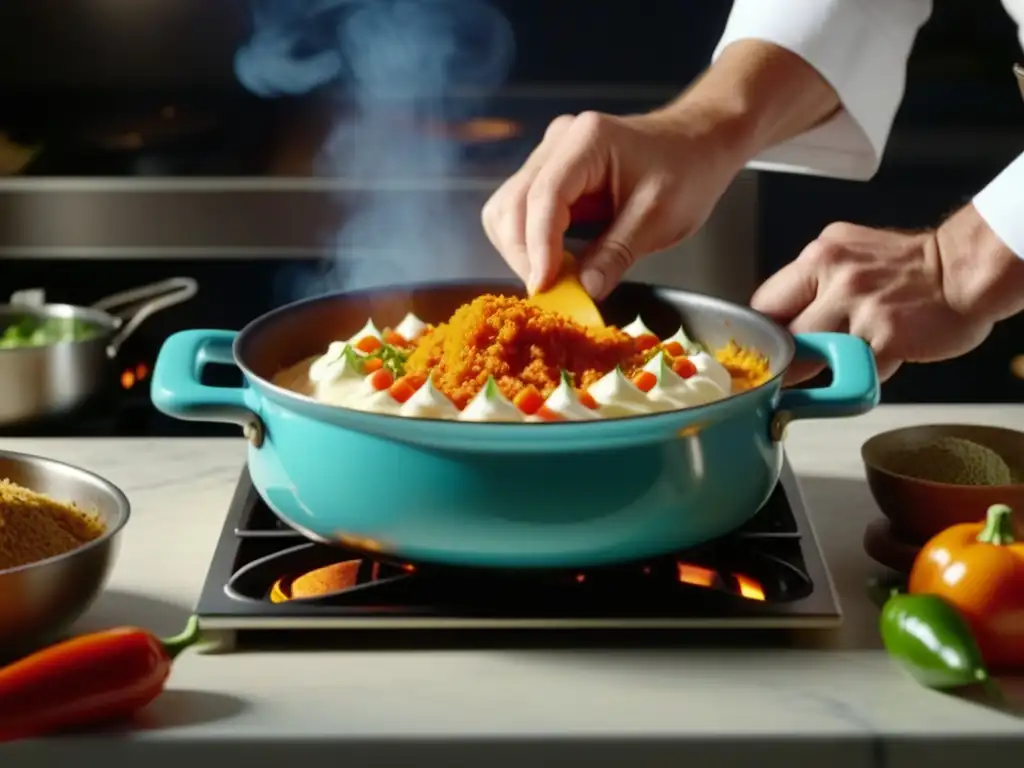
{"x": 953, "y": 460}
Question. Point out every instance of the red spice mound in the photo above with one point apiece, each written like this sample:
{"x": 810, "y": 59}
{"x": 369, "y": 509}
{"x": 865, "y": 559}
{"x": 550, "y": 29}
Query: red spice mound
{"x": 519, "y": 345}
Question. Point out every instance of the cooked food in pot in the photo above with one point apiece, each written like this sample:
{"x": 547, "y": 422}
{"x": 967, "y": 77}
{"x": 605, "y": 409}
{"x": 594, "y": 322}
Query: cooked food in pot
{"x": 31, "y": 331}
{"x": 503, "y": 359}
{"x": 35, "y": 527}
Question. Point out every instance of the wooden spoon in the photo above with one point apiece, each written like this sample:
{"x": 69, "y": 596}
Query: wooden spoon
{"x": 568, "y": 297}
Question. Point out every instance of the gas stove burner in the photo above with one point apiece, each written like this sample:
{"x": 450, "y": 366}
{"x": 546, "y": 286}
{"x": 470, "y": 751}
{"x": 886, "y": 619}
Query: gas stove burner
{"x": 268, "y": 584}
{"x": 318, "y": 574}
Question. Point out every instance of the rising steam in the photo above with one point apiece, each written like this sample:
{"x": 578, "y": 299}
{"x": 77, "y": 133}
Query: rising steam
{"x": 398, "y": 65}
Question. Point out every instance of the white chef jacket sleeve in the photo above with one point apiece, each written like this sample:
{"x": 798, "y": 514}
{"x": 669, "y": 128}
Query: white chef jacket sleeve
{"x": 1001, "y": 205}
{"x": 861, "y": 48}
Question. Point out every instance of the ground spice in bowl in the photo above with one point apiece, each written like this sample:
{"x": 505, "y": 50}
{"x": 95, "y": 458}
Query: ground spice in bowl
{"x": 34, "y": 527}
{"x": 952, "y": 460}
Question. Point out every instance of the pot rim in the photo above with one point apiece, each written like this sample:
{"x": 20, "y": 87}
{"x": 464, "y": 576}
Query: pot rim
{"x": 288, "y": 396}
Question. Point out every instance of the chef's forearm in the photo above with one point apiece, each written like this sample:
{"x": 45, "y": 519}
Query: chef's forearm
{"x": 858, "y": 47}
{"x": 756, "y": 95}
{"x": 982, "y": 248}
{"x": 982, "y": 276}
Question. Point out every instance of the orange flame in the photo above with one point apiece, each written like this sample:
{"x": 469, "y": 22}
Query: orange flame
{"x": 699, "y": 576}
{"x": 695, "y": 575}
{"x": 749, "y": 588}
{"x": 133, "y": 375}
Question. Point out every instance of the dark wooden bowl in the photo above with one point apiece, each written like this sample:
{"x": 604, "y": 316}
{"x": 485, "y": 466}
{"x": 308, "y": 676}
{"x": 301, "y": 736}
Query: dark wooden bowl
{"x": 919, "y": 509}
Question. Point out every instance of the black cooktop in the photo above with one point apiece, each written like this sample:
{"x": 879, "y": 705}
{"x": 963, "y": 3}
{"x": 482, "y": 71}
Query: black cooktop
{"x": 120, "y": 414}
{"x": 268, "y": 584}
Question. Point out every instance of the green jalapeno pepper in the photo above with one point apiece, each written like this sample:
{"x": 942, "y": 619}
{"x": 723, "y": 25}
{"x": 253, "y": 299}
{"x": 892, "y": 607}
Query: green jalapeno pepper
{"x": 930, "y": 639}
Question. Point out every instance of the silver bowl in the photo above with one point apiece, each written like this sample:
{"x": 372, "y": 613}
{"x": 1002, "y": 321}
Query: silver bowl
{"x": 41, "y": 600}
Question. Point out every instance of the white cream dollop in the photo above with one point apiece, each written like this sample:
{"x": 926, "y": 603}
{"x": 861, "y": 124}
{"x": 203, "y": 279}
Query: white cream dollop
{"x": 367, "y": 330}
{"x": 709, "y": 368}
{"x": 335, "y": 376}
{"x": 379, "y": 401}
{"x": 333, "y": 358}
{"x": 566, "y": 403}
{"x": 491, "y": 405}
{"x": 703, "y": 361}
{"x": 618, "y": 397}
{"x": 363, "y": 396}
{"x": 411, "y": 327}
{"x": 673, "y": 391}
{"x": 665, "y": 394}
{"x": 689, "y": 346}
{"x": 428, "y": 402}
{"x": 637, "y": 328}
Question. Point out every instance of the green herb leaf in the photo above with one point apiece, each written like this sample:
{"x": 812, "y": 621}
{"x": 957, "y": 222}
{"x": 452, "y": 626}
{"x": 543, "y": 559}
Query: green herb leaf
{"x": 392, "y": 358}
{"x": 354, "y": 359}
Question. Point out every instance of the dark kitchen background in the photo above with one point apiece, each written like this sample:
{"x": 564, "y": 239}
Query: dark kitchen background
{"x": 129, "y": 152}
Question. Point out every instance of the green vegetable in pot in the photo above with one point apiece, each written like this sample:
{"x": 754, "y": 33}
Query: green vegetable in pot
{"x": 40, "y": 332}
{"x": 930, "y": 639}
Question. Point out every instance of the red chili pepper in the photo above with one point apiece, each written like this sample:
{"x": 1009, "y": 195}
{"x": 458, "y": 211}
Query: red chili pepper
{"x": 87, "y": 680}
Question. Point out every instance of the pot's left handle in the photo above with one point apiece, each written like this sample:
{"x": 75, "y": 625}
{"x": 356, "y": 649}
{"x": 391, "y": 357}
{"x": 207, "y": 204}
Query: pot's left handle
{"x": 177, "y": 387}
{"x": 854, "y": 389}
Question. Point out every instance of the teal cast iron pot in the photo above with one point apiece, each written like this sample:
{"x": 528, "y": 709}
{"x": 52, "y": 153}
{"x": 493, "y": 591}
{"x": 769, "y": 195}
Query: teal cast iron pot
{"x": 566, "y": 494}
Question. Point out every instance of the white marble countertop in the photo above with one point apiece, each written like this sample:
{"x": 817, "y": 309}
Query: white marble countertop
{"x": 826, "y": 696}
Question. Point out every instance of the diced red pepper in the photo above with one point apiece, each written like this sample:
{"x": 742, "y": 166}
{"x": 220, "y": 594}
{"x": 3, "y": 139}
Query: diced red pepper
{"x": 406, "y": 386}
{"x": 646, "y": 341}
{"x": 395, "y": 339}
{"x": 368, "y": 344}
{"x": 546, "y": 414}
{"x": 529, "y": 400}
{"x": 381, "y": 379}
{"x": 673, "y": 349}
{"x": 684, "y": 367}
{"x": 644, "y": 380}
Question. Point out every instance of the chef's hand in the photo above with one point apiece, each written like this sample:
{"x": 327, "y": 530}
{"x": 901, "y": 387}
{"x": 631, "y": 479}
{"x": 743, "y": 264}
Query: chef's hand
{"x": 662, "y": 171}
{"x": 918, "y": 297}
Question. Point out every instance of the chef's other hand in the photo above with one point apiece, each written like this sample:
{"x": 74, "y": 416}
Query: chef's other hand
{"x": 919, "y": 297}
{"x": 661, "y": 171}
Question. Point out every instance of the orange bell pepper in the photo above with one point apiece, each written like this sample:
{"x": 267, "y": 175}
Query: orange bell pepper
{"x": 979, "y": 569}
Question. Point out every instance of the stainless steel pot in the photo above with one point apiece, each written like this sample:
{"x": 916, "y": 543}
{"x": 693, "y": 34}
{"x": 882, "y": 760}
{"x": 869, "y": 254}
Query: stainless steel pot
{"x": 41, "y": 600}
{"x": 55, "y": 379}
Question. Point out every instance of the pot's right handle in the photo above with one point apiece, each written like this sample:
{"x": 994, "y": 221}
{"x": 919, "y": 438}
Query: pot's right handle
{"x": 177, "y": 387}
{"x": 854, "y": 389}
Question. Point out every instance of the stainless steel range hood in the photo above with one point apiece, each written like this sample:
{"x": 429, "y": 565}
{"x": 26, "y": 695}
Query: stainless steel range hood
{"x": 275, "y": 218}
